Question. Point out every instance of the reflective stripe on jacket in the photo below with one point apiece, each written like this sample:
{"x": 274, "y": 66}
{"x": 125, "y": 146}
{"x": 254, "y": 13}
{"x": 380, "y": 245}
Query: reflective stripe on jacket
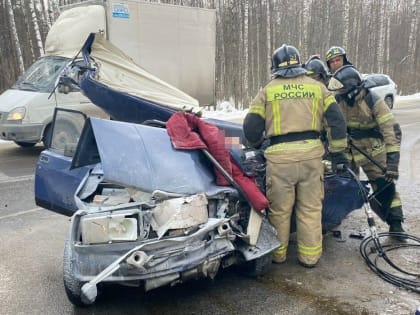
{"x": 371, "y": 112}
{"x": 299, "y": 104}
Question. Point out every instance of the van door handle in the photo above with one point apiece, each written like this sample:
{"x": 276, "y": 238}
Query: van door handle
{"x": 44, "y": 159}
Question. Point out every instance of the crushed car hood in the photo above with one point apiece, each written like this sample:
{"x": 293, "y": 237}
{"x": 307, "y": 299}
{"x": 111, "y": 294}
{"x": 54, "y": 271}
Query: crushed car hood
{"x": 143, "y": 157}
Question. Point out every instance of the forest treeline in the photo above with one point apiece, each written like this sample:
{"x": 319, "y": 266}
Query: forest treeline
{"x": 378, "y": 35}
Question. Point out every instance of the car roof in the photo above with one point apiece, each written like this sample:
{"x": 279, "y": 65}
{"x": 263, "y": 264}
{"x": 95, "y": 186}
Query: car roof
{"x": 379, "y": 78}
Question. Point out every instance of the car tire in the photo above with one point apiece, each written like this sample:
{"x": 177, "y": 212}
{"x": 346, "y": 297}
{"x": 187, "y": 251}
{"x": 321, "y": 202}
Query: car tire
{"x": 72, "y": 286}
{"x": 25, "y": 144}
{"x": 257, "y": 267}
{"x": 389, "y": 101}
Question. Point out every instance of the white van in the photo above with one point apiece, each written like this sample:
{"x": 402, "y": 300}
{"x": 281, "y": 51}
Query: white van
{"x": 175, "y": 43}
{"x": 26, "y": 109}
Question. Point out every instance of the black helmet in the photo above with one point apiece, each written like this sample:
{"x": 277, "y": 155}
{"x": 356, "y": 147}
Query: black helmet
{"x": 334, "y": 52}
{"x": 345, "y": 80}
{"x": 285, "y": 62}
{"x": 315, "y": 67}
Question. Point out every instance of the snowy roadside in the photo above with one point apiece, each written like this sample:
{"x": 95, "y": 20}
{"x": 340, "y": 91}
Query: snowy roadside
{"x": 410, "y": 97}
{"x": 229, "y": 113}
{"x": 236, "y": 116}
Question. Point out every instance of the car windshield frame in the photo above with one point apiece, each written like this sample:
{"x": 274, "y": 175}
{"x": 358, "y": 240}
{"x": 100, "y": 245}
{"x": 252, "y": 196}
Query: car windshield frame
{"x": 42, "y": 74}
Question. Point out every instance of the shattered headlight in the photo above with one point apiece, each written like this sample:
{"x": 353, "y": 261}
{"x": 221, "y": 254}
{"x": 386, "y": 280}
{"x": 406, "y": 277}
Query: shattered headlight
{"x": 108, "y": 228}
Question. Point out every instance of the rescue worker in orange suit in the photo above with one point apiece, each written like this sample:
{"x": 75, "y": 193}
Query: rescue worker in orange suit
{"x": 336, "y": 58}
{"x": 289, "y": 112}
{"x": 373, "y": 129}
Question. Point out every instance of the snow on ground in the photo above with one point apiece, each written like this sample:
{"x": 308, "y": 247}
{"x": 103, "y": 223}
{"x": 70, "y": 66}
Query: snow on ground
{"x": 404, "y": 97}
{"x": 235, "y": 115}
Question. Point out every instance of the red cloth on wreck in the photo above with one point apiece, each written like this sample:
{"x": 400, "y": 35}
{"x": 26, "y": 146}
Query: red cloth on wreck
{"x": 189, "y": 132}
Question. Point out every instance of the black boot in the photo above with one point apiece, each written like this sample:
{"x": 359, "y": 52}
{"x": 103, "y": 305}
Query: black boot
{"x": 398, "y": 233}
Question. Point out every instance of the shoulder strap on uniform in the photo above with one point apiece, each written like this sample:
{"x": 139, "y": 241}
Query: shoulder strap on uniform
{"x": 371, "y": 98}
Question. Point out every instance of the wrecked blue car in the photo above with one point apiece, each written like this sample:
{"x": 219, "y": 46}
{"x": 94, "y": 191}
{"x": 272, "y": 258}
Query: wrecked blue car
{"x": 142, "y": 212}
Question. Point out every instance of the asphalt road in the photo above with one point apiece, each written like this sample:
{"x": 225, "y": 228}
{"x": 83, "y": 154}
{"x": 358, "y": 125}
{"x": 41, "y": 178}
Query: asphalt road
{"x": 32, "y": 239}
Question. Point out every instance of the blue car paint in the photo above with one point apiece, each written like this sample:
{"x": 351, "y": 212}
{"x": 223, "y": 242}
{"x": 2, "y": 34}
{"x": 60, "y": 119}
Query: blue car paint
{"x": 122, "y": 106}
{"x": 137, "y": 110}
{"x": 146, "y": 160}
{"x": 56, "y": 184}
{"x": 141, "y": 156}
{"x": 341, "y": 196}
{"x": 130, "y": 108}
{"x": 131, "y": 155}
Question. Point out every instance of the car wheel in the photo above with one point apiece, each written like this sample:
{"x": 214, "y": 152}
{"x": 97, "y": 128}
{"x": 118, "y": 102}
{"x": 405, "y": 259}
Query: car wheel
{"x": 25, "y": 144}
{"x": 258, "y": 267}
{"x": 389, "y": 101}
{"x": 72, "y": 286}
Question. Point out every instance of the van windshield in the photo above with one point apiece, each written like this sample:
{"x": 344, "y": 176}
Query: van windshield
{"x": 42, "y": 75}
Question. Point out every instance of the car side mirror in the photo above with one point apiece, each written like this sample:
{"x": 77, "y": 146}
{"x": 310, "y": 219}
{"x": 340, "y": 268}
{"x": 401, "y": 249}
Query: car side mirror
{"x": 66, "y": 85}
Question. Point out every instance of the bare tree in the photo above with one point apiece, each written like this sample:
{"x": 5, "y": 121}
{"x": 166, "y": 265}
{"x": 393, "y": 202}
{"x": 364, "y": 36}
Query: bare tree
{"x": 15, "y": 37}
{"x": 378, "y": 35}
{"x": 34, "y": 18}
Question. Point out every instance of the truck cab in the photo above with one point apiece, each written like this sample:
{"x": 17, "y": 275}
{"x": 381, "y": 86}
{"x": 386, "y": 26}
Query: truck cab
{"x": 27, "y": 107}
{"x": 174, "y": 43}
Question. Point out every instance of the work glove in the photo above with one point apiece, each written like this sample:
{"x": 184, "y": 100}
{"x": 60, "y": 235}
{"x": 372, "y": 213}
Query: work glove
{"x": 392, "y": 161}
{"x": 339, "y": 162}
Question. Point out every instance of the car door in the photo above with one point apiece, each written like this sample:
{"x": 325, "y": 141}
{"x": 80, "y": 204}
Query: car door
{"x": 55, "y": 182}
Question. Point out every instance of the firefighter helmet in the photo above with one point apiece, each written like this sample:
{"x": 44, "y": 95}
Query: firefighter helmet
{"x": 345, "y": 80}
{"x": 316, "y": 68}
{"x": 334, "y": 52}
{"x": 285, "y": 62}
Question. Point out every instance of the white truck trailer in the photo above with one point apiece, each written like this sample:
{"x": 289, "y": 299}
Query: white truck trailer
{"x": 175, "y": 43}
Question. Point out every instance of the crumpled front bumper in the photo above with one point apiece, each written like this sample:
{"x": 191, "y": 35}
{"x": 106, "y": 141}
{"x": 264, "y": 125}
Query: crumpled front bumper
{"x": 21, "y": 132}
{"x": 157, "y": 262}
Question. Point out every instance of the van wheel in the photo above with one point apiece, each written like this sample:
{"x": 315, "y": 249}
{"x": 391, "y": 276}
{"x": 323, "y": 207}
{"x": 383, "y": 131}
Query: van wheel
{"x": 47, "y": 136}
{"x": 25, "y": 144}
{"x": 389, "y": 101}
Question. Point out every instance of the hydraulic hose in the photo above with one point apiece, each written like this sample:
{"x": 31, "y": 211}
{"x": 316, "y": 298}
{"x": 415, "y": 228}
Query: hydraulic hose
{"x": 374, "y": 252}
{"x": 373, "y": 255}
